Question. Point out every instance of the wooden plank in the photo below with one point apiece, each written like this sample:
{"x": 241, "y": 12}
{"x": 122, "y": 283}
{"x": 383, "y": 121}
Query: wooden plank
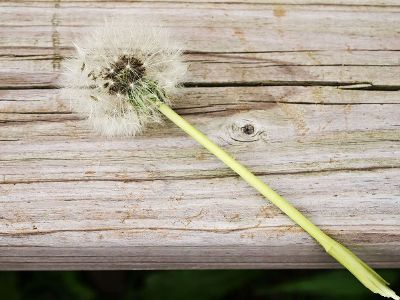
{"x": 244, "y": 27}
{"x": 86, "y": 194}
{"x": 107, "y": 215}
{"x": 370, "y": 68}
{"x": 288, "y": 132}
{"x": 306, "y": 94}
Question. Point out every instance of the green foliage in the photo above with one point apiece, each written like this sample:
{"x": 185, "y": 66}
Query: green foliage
{"x": 193, "y": 285}
{"x": 44, "y": 286}
{"x": 9, "y": 286}
{"x": 334, "y": 284}
{"x": 196, "y": 285}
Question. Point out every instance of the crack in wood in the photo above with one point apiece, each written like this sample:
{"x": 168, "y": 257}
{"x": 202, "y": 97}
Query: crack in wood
{"x": 274, "y": 228}
{"x": 215, "y": 230}
{"x": 367, "y": 86}
{"x": 342, "y": 85}
{"x": 55, "y": 37}
{"x": 228, "y": 174}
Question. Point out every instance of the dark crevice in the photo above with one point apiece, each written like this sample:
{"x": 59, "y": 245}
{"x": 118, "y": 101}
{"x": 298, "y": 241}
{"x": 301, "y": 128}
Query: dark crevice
{"x": 52, "y": 231}
{"x": 38, "y": 112}
{"x": 16, "y": 122}
{"x": 255, "y": 226}
{"x": 342, "y": 85}
{"x": 387, "y": 88}
{"x": 288, "y": 51}
{"x": 362, "y": 85}
{"x": 259, "y": 64}
{"x": 46, "y": 56}
{"x": 32, "y": 57}
{"x": 266, "y": 83}
{"x": 183, "y": 109}
{"x": 329, "y": 103}
{"x": 207, "y": 112}
{"x": 31, "y": 87}
{"x": 17, "y": 100}
{"x": 201, "y": 177}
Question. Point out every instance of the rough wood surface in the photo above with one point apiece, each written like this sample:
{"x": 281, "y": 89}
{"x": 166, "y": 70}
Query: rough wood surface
{"x": 305, "y": 94}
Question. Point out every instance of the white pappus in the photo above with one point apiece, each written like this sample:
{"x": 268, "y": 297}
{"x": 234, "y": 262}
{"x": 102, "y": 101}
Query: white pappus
{"x": 117, "y": 73}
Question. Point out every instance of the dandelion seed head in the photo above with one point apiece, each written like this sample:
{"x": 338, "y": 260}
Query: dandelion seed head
{"x": 118, "y": 74}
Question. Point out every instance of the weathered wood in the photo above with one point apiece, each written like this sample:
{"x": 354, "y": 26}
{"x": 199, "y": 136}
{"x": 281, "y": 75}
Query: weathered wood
{"x": 332, "y": 68}
{"x": 306, "y": 95}
{"x": 237, "y": 27}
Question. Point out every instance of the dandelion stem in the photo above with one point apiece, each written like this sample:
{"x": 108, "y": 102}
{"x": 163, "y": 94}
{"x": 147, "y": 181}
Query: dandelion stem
{"x": 358, "y": 268}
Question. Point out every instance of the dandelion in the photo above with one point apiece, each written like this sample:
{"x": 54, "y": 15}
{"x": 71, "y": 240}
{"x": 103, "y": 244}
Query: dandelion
{"x": 123, "y": 77}
{"x": 117, "y": 74}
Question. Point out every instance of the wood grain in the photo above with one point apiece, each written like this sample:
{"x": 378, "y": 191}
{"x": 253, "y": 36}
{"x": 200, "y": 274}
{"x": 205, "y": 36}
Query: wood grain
{"x": 307, "y": 95}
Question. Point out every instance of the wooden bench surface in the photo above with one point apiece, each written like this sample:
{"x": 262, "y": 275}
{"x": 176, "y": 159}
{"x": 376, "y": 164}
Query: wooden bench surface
{"x": 306, "y": 95}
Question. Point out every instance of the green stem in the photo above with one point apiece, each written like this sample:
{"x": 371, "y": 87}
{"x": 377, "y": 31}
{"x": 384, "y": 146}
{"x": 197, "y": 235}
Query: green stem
{"x": 358, "y": 268}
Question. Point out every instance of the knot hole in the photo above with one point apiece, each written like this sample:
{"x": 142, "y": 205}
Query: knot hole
{"x": 248, "y": 129}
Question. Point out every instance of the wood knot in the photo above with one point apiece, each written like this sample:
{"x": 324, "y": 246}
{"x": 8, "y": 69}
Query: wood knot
{"x": 244, "y": 131}
{"x": 248, "y": 129}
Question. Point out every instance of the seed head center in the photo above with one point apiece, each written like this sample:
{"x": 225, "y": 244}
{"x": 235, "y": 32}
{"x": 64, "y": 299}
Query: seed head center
{"x": 121, "y": 76}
